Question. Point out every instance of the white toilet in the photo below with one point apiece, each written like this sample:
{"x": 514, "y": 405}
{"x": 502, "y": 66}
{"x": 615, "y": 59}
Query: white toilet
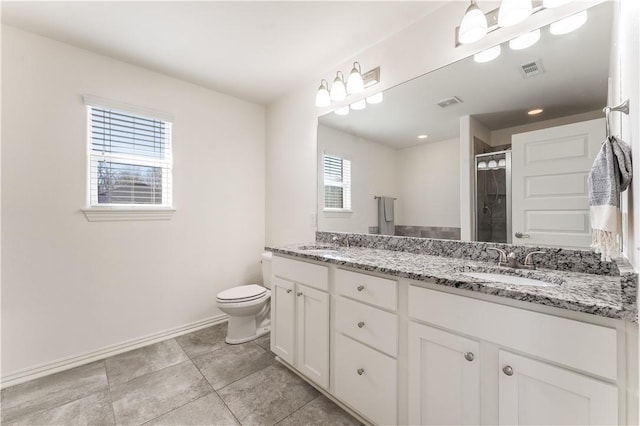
{"x": 248, "y": 307}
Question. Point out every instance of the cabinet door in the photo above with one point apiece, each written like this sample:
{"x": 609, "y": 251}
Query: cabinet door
{"x": 444, "y": 379}
{"x": 533, "y": 392}
{"x": 283, "y": 310}
{"x": 313, "y": 334}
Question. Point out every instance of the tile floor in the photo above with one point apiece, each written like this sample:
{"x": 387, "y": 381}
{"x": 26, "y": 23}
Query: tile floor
{"x": 195, "y": 379}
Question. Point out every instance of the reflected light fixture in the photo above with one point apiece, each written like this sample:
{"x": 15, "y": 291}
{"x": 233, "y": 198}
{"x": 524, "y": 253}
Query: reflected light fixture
{"x": 473, "y": 26}
{"x": 513, "y": 12}
{"x": 482, "y": 165}
{"x": 525, "y": 40}
{"x": 502, "y": 162}
{"x": 493, "y": 164}
{"x": 375, "y": 99}
{"x": 535, "y": 111}
{"x": 357, "y": 106}
{"x": 553, "y": 3}
{"x": 322, "y": 97}
{"x": 568, "y": 24}
{"x": 487, "y": 55}
{"x": 338, "y": 90}
{"x": 342, "y": 111}
{"x": 355, "y": 82}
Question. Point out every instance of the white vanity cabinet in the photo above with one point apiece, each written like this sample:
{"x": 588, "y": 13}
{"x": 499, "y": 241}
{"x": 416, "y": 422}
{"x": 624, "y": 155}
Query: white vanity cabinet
{"x": 550, "y": 370}
{"x": 365, "y": 367}
{"x": 444, "y": 379}
{"x": 300, "y": 317}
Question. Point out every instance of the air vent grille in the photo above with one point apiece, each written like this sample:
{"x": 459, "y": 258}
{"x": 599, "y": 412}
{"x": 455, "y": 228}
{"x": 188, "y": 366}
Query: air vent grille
{"x": 532, "y": 69}
{"x": 449, "y": 101}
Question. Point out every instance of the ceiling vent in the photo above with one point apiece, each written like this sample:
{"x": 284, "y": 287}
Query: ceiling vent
{"x": 532, "y": 69}
{"x": 449, "y": 101}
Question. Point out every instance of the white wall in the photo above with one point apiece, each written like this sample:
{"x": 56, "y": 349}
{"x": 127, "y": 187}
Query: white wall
{"x": 373, "y": 172}
{"x": 70, "y": 286}
{"x": 291, "y": 121}
{"x": 429, "y": 184}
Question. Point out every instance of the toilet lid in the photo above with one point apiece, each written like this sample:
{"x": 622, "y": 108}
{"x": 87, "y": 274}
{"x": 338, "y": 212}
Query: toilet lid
{"x": 242, "y": 293}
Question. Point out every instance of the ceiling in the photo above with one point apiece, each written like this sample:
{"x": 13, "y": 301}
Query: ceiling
{"x": 258, "y": 51}
{"x": 575, "y": 80}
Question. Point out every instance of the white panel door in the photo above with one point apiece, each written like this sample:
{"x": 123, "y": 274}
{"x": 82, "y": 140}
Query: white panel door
{"x": 536, "y": 393}
{"x": 444, "y": 379}
{"x": 313, "y": 334}
{"x": 283, "y": 311}
{"x": 549, "y": 171}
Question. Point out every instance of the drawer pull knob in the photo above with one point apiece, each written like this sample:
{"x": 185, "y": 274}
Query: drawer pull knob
{"x": 288, "y": 290}
{"x": 360, "y": 371}
{"x": 360, "y": 287}
{"x": 360, "y": 324}
{"x": 508, "y": 370}
{"x": 299, "y": 293}
{"x": 469, "y": 356}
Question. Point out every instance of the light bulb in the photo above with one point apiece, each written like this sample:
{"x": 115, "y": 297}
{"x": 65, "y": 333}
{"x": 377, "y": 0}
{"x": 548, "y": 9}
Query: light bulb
{"x": 553, "y": 3}
{"x": 525, "y": 40}
{"x": 375, "y": 99}
{"x": 502, "y": 162}
{"x": 357, "y": 106}
{"x": 487, "y": 55}
{"x": 322, "y": 97}
{"x": 355, "y": 83}
{"x": 513, "y": 12}
{"x": 338, "y": 91}
{"x": 493, "y": 164}
{"x": 342, "y": 111}
{"x": 473, "y": 26}
{"x": 568, "y": 24}
{"x": 482, "y": 165}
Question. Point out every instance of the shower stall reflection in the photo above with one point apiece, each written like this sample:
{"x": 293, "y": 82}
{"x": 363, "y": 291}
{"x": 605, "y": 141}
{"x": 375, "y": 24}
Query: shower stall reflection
{"x": 493, "y": 197}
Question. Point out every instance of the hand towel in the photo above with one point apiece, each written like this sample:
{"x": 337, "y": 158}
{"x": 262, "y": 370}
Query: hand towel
{"x": 610, "y": 174}
{"x": 385, "y": 226}
{"x": 388, "y": 209}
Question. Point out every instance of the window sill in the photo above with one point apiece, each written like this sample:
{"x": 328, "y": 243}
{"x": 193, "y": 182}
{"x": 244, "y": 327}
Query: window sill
{"x": 119, "y": 214}
{"x": 337, "y": 213}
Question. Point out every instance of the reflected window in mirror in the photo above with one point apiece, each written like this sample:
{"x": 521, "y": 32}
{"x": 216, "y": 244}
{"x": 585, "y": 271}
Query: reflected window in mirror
{"x": 337, "y": 183}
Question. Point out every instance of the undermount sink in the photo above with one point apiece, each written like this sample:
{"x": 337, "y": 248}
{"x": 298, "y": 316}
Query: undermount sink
{"x": 511, "y": 279}
{"x": 320, "y": 250}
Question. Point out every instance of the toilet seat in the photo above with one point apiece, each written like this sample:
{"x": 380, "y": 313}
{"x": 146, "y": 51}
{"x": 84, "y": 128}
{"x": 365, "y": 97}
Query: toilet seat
{"x": 242, "y": 293}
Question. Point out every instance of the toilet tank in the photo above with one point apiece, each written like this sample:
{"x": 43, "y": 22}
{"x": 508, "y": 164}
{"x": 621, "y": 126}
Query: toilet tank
{"x": 266, "y": 269}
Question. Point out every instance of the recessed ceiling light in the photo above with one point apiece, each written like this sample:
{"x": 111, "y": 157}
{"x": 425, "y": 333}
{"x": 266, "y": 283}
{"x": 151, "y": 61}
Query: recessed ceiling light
{"x": 535, "y": 111}
{"x": 423, "y": 136}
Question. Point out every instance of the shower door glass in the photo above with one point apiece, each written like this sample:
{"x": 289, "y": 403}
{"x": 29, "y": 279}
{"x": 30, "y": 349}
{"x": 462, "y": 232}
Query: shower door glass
{"x": 493, "y": 197}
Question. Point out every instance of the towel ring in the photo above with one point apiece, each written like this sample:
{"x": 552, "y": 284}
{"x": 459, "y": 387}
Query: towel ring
{"x": 623, "y": 107}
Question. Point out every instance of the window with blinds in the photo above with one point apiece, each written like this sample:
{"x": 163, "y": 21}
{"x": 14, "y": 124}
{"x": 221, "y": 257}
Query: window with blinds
{"x": 130, "y": 159}
{"x": 337, "y": 183}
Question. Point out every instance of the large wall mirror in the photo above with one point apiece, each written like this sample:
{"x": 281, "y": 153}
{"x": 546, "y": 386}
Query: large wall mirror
{"x": 400, "y": 162}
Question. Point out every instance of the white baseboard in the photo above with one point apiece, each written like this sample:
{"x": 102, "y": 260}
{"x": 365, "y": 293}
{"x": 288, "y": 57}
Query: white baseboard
{"x": 44, "y": 369}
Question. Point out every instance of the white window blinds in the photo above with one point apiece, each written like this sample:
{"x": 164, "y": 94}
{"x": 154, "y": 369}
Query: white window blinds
{"x": 130, "y": 159}
{"x": 337, "y": 183}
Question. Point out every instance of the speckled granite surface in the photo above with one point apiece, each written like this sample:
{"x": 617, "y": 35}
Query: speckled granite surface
{"x": 606, "y": 295}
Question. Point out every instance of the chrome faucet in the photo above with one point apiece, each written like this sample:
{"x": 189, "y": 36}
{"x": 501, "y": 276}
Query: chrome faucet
{"x": 511, "y": 261}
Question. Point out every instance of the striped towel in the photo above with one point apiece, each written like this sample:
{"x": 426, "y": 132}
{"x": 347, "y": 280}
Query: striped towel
{"x": 610, "y": 175}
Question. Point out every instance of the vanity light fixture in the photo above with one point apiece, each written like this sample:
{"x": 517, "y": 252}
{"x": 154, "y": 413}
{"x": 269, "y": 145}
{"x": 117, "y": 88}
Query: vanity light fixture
{"x": 473, "y": 26}
{"x": 525, "y": 40}
{"x": 355, "y": 82}
{"x": 322, "y": 97}
{"x": 493, "y": 164}
{"x": 513, "y": 12}
{"x": 487, "y": 55}
{"x": 502, "y": 162}
{"x": 338, "y": 90}
{"x": 482, "y": 165}
{"x": 568, "y": 24}
{"x": 342, "y": 111}
{"x": 535, "y": 111}
{"x": 359, "y": 105}
{"x": 375, "y": 99}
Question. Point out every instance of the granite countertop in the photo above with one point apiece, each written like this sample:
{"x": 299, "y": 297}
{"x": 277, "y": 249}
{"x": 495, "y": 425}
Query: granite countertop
{"x": 612, "y": 296}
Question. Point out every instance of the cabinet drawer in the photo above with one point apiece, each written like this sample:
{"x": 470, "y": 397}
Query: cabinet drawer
{"x": 366, "y": 380}
{"x": 587, "y": 347}
{"x": 377, "y": 291}
{"x": 369, "y": 325}
{"x": 310, "y": 274}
